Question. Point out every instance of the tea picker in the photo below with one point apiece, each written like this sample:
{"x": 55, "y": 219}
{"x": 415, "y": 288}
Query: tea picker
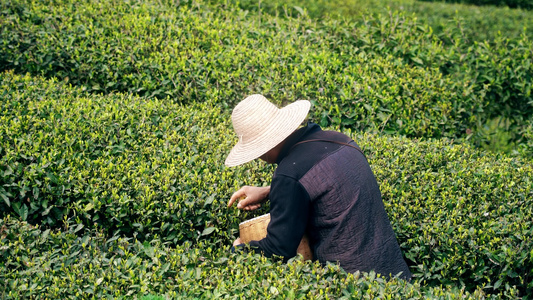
{"x": 323, "y": 193}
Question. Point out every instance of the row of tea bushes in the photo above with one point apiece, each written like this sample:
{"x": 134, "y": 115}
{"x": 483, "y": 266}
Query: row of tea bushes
{"x": 386, "y": 74}
{"x": 102, "y": 48}
{"x": 477, "y": 23}
{"x": 140, "y": 166}
{"x": 64, "y": 264}
{"x": 460, "y": 215}
{"x": 528, "y": 133}
{"x": 494, "y": 76}
{"x": 150, "y": 168}
{"x": 525, "y": 4}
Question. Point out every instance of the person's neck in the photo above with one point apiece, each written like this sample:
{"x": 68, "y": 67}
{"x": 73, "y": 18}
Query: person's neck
{"x": 289, "y": 142}
{"x": 272, "y": 155}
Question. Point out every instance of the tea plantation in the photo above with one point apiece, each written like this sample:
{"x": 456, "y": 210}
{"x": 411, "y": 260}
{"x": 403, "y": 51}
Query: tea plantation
{"x": 115, "y": 123}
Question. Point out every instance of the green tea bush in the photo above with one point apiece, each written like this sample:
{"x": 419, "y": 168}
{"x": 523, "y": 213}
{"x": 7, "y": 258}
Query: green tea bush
{"x": 53, "y": 264}
{"x": 126, "y": 163}
{"x": 525, "y": 4}
{"x": 477, "y": 23}
{"x": 469, "y": 44}
{"x": 528, "y": 136}
{"x": 458, "y": 213}
{"x": 388, "y": 73}
{"x": 153, "y": 169}
{"x": 492, "y": 79}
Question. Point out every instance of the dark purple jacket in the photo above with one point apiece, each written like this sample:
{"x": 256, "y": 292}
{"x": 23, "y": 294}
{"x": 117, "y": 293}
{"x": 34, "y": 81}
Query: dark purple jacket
{"x": 328, "y": 190}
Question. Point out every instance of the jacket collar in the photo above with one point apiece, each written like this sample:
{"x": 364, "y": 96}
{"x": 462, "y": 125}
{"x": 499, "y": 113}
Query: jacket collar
{"x": 296, "y": 137}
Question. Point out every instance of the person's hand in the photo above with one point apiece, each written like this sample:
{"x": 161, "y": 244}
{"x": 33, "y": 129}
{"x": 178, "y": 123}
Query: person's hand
{"x": 237, "y": 242}
{"x": 250, "y": 197}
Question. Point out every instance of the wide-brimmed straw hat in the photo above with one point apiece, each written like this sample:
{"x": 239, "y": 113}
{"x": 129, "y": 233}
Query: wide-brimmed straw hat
{"x": 261, "y": 126}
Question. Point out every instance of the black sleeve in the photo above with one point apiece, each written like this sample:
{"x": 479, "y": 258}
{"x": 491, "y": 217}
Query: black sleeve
{"x": 289, "y": 210}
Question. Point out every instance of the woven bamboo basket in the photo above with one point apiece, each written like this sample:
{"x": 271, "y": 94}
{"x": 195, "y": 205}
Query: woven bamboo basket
{"x": 256, "y": 229}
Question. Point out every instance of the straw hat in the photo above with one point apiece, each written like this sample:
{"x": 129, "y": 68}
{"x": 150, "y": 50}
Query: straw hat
{"x": 260, "y": 126}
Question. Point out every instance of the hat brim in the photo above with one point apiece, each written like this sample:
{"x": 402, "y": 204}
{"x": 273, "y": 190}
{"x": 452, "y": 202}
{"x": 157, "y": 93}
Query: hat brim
{"x": 285, "y": 122}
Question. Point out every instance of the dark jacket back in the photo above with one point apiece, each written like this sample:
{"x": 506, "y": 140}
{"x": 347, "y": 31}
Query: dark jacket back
{"x": 328, "y": 190}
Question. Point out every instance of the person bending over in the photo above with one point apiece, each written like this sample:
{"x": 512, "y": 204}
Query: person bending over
{"x": 323, "y": 186}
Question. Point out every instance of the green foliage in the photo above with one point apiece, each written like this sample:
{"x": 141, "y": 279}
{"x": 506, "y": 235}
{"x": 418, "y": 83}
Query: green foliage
{"x": 149, "y": 167}
{"x": 458, "y": 213}
{"x": 483, "y": 81}
{"x": 528, "y": 136}
{"x": 495, "y": 135}
{"x": 152, "y": 169}
{"x": 153, "y": 297}
{"x": 525, "y": 4}
{"x": 496, "y": 68}
{"x": 124, "y": 172}
{"x": 477, "y": 23}
{"x": 52, "y": 264}
{"x": 387, "y": 73}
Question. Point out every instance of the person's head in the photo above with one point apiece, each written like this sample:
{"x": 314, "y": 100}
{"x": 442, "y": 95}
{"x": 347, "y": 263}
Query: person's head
{"x": 262, "y": 127}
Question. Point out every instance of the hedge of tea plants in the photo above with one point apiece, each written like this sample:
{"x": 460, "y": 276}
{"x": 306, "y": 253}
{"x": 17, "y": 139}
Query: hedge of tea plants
{"x": 119, "y": 156}
{"x": 126, "y": 163}
{"x": 526, "y": 4}
{"x": 476, "y": 71}
{"x": 52, "y": 264}
{"x": 152, "y": 169}
{"x": 388, "y": 73}
{"x": 477, "y": 23}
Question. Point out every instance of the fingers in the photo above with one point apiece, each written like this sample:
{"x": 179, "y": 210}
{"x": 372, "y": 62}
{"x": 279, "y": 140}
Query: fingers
{"x": 237, "y": 242}
{"x": 252, "y": 207}
{"x": 249, "y": 198}
{"x": 238, "y": 194}
{"x": 246, "y": 203}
